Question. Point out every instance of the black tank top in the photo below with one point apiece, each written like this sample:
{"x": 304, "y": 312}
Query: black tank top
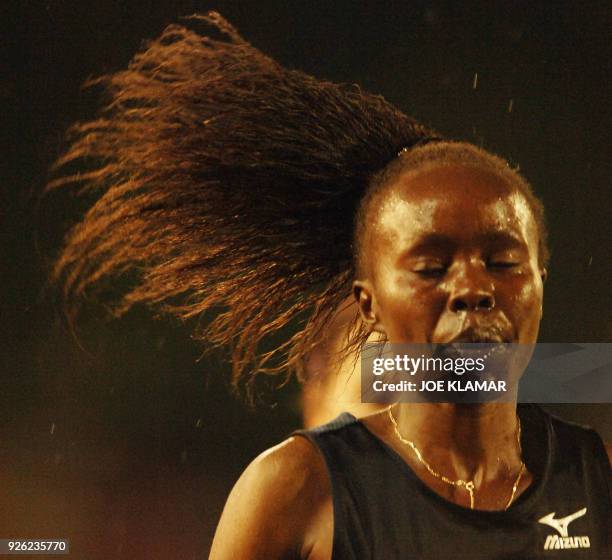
{"x": 383, "y": 511}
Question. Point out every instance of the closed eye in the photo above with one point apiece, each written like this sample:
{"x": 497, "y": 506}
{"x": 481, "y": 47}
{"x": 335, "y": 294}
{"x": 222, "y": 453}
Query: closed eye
{"x": 431, "y": 272}
{"x": 502, "y": 264}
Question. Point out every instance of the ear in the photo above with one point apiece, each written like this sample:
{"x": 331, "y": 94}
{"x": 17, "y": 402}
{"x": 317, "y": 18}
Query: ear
{"x": 364, "y": 295}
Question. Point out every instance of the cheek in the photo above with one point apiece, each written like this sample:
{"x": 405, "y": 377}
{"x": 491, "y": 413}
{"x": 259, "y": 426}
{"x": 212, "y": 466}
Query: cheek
{"x": 523, "y": 303}
{"x": 408, "y": 311}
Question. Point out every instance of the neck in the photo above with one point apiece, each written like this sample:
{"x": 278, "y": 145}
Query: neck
{"x": 475, "y": 442}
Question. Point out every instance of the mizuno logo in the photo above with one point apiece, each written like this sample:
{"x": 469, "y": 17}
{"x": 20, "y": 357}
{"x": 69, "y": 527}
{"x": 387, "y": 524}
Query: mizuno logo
{"x": 561, "y": 524}
{"x": 554, "y": 542}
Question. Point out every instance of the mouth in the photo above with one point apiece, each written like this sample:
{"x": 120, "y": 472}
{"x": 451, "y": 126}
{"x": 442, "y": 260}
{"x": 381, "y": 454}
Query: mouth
{"x": 475, "y": 343}
{"x": 480, "y": 336}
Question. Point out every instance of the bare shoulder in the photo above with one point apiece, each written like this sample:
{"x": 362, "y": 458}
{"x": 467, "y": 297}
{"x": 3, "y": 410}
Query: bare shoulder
{"x": 291, "y": 470}
{"x": 609, "y": 451}
{"x": 272, "y": 506}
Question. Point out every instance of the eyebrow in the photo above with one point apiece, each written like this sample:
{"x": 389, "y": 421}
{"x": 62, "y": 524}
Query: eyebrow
{"x": 505, "y": 238}
{"x": 441, "y": 242}
{"x": 432, "y": 241}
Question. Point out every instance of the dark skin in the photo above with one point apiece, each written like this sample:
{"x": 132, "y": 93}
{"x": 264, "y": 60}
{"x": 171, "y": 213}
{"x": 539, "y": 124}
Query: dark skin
{"x": 451, "y": 251}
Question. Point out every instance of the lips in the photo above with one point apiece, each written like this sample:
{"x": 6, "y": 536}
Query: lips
{"x": 474, "y": 342}
{"x": 479, "y": 335}
{"x": 472, "y": 350}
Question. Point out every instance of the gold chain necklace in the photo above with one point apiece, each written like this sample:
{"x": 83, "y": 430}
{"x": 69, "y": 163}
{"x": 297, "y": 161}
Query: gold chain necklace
{"x": 467, "y": 484}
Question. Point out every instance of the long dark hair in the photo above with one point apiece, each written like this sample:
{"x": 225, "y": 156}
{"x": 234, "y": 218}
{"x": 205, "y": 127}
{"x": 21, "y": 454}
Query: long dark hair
{"x": 231, "y": 185}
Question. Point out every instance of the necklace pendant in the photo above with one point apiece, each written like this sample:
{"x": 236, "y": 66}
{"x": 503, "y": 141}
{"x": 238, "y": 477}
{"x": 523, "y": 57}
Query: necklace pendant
{"x": 469, "y": 486}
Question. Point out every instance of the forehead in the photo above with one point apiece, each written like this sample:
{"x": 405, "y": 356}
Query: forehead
{"x": 463, "y": 204}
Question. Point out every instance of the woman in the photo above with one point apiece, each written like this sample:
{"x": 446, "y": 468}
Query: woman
{"x": 238, "y": 186}
{"x": 451, "y": 250}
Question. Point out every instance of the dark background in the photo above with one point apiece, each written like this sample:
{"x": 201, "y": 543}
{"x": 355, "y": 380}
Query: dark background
{"x": 120, "y": 438}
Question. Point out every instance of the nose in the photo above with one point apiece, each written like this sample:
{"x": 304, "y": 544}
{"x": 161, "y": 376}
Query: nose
{"x": 471, "y": 290}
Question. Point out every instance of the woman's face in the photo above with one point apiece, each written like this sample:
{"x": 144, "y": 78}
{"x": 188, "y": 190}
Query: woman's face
{"x": 453, "y": 256}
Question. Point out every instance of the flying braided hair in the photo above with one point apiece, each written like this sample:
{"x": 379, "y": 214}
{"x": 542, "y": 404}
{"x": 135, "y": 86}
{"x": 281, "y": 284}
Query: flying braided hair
{"x": 230, "y": 185}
